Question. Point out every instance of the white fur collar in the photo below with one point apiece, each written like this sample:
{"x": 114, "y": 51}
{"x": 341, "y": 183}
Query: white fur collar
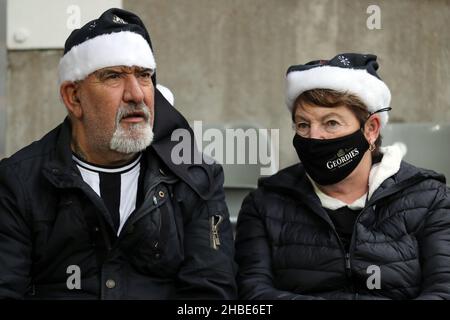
{"x": 389, "y": 165}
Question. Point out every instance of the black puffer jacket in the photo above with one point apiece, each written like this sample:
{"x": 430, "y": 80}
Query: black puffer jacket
{"x": 287, "y": 246}
{"x": 50, "y": 219}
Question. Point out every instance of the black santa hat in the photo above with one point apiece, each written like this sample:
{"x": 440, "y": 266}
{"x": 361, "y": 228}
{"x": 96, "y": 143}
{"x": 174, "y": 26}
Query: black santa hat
{"x": 117, "y": 37}
{"x": 347, "y": 72}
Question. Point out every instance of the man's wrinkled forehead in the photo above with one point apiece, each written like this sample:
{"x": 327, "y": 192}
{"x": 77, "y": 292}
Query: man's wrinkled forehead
{"x": 122, "y": 69}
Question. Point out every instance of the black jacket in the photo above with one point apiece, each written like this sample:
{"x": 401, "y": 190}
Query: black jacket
{"x": 288, "y": 248}
{"x": 50, "y": 219}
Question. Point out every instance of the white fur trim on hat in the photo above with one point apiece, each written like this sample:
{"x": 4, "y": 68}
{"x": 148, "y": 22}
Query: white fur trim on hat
{"x": 372, "y": 91}
{"x": 123, "y": 48}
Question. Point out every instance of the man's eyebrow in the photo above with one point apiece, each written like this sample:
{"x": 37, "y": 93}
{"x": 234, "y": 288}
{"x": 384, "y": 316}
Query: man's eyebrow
{"x": 140, "y": 70}
{"x": 103, "y": 72}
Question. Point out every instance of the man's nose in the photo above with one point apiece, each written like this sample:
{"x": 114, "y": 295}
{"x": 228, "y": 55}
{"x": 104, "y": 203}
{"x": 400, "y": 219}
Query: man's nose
{"x": 133, "y": 91}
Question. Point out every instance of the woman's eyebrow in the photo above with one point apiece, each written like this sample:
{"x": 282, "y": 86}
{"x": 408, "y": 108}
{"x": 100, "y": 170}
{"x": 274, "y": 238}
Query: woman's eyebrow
{"x": 328, "y": 115}
{"x": 332, "y": 114}
{"x": 299, "y": 118}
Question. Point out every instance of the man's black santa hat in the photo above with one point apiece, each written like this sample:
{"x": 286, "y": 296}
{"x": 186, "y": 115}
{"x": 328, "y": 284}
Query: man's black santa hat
{"x": 116, "y": 38}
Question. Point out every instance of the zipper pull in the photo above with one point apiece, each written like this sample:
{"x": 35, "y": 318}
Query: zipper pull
{"x": 347, "y": 260}
{"x": 215, "y": 239}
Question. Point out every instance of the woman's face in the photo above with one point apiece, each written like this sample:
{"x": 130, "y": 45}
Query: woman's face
{"x": 315, "y": 122}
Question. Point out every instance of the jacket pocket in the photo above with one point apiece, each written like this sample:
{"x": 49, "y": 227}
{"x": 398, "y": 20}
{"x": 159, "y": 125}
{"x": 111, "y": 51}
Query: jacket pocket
{"x": 153, "y": 246}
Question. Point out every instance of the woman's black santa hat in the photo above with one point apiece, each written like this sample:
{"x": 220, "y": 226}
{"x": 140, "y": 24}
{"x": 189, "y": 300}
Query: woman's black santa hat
{"x": 347, "y": 72}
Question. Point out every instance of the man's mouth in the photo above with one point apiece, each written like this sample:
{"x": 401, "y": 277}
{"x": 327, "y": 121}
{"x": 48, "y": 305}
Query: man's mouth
{"x": 134, "y": 117}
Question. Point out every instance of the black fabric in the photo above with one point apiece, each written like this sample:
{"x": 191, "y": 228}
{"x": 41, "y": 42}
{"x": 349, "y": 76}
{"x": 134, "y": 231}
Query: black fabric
{"x": 377, "y": 158}
{"x": 140, "y": 189}
{"x": 343, "y": 60}
{"x": 329, "y": 161}
{"x": 110, "y": 193}
{"x": 51, "y": 219}
{"x": 287, "y": 246}
{"x": 344, "y": 221}
{"x": 112, "y": 20}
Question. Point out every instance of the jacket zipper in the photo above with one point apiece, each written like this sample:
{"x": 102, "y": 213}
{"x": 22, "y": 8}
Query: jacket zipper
{"x": 347, "y": 260}
{"x": 351, "y": 246}
{"x": 215, "y": 239}
{"x": 348, "y": 266}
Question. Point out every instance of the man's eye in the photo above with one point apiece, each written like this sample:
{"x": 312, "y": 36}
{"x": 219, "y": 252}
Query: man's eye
{"x": 146, "y": 74}
{"x": 112, "y": 76}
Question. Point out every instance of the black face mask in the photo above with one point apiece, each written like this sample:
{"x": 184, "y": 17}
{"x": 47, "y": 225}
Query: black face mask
{"x": 331, "y": 160}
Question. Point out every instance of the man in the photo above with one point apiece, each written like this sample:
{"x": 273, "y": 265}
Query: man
{"x": 97, "y": 208}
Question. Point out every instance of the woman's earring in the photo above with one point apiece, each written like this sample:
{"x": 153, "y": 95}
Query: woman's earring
{"x": 372, "y": 147}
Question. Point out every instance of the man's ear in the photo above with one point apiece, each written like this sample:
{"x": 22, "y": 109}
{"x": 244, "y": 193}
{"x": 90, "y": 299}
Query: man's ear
{"x": 372, "y": 128}
{"x": 69, "y": 92}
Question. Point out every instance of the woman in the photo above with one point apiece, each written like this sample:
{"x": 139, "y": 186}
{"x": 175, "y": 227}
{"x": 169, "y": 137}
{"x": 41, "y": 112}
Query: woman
{"x": 352, "y": 220}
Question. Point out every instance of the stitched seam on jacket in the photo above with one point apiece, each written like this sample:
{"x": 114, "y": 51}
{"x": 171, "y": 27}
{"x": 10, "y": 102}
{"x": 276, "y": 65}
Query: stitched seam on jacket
{"x": 360, "y": 242}
{"x": 305, "y": 244}
{"x": 291, "y": 221}
{"x": 314, "y": 270}
{"x": 390, "y": 262}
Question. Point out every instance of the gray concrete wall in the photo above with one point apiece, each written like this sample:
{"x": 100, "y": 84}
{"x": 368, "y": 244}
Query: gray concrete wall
{"x": 225, "y": 60}
{"x": 3, "y": 79}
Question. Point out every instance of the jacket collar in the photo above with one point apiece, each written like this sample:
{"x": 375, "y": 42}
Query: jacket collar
{"x": 167, "y": 120}
{"x": 293, "y": 182}
{"x": 60, "y": 169}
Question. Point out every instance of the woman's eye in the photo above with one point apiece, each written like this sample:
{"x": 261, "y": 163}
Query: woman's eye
{"x": 302, "y": 125}
{"x": 332, "y": 123}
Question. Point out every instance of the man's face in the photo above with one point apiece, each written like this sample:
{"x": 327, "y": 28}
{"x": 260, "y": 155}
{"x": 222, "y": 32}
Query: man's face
{"x": 118, "y": 108}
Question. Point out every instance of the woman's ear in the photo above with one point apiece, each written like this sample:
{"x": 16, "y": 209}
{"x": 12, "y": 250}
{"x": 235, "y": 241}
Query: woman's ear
{"x": 69, "y": 92}
{"x": 372, "y": 128}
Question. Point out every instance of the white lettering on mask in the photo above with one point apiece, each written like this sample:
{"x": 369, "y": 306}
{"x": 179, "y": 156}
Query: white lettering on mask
{"x": 343, "y": 160}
